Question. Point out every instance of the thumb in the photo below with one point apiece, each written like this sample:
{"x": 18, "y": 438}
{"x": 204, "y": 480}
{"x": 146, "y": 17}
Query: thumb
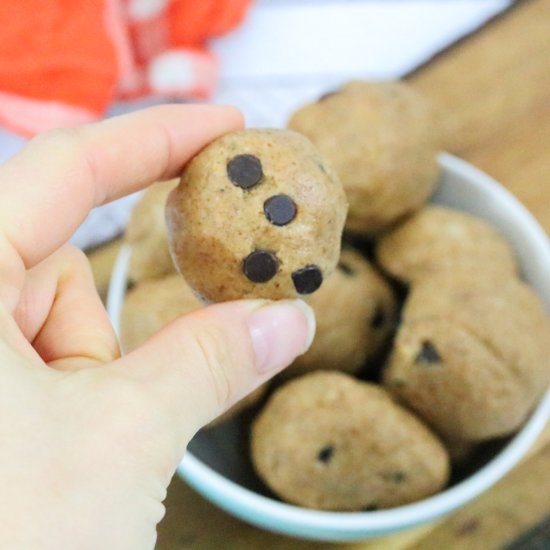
{"x": 199, "y": 365}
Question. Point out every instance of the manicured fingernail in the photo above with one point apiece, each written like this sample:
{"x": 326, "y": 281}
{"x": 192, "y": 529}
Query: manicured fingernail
{"x": 280, "y": 331}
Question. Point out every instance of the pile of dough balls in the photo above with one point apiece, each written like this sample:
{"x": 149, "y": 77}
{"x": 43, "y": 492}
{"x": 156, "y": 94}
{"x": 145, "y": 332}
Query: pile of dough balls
{"x": 428, "y": 344}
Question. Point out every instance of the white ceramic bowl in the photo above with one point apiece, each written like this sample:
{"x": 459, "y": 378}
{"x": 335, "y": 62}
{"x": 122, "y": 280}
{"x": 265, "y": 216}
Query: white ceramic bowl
{"x": 217, "y": 466}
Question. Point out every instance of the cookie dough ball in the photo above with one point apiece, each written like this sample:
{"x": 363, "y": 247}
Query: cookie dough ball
{"x": 472, "y": 357}
{"x": 151, "y": 305}
{"x": 380, "y": 139}
{"x": 355, "y": 311}
{"x": 147, "y": 236}
{"x": 328, "y": 441}
{"x": 438, "y": 239}
{"x": 257, "y": 214}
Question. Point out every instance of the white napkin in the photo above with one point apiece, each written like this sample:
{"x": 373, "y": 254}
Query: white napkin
{"x": 288, "y": 52}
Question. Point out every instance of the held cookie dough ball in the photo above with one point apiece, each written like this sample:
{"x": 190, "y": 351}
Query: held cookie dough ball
{"x": 438, "y": 239}
{"x": 355, "y": 311}
{"x": 472, "y": 357}
{"x": 257, "y": 214}
{"x": 328, "y": 441}
{"x": 146, "y": 234}
{"x": 153, "y": 304}
{"x": 380, "y": 139}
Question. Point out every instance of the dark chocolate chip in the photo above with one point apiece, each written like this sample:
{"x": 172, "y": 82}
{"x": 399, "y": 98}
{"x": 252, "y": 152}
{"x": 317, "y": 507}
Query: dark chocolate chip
{"x": 379, "y": 318}
{"x": 397, "y": 477}
{"x": 308, "y": 279}
{"x": 325, "y": 454}
{"x": 469, "y": 526}
{"x": 245, "y": 171}
{"x": 371, "y": 507}
{"x": 260, "y": 266}
{"x": 428, "y": 354}
{"x": 346, "y": 268}
{"x": 280, "y": 209}
{"x": 130, "y": 284}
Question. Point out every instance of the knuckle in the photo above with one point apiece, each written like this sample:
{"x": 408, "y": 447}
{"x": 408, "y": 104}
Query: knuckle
{"x": 214, "y": 355}
{"x": 73, "y": 264}
{"x": 74, "y": 147}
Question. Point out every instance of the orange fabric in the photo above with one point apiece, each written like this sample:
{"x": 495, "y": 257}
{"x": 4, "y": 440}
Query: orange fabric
{"x": 64, "y": 61}
{"x": 193, "y": 21}
{"x": 57, "y": 50}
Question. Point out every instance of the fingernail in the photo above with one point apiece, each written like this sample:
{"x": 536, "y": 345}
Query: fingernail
{"x": 280, "y": 332}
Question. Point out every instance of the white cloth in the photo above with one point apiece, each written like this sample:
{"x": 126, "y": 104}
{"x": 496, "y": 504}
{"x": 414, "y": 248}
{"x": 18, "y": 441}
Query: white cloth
{"x": 288, "y": 52}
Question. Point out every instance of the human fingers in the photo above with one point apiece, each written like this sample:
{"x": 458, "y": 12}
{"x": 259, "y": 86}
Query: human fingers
{"x": 198, "y": 366}
{"x": 49, "y": 188}
{"x": 61, "y": 314}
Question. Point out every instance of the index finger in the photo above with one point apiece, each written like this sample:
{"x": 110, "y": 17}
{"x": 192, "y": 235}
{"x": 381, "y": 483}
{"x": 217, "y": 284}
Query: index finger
{"x": 49, "y": 188}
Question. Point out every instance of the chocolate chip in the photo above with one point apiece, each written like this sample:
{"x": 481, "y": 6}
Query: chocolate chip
{"x": 397, "y": 477}
{"x": 346, "y": 268}
{"x": 325, "y": 454}
{"x": 245, "y": 171}
{"x": 379, "y": 318}
{"x": 469, "y": 526}
{"x": 280, "y": 209}
{"x": 260, "y": 266}
{"x": 307, "y": 280}
{"x": 130, "y": 284}
{"x": 371, "y": 507}
{"x": 428, "y": 354}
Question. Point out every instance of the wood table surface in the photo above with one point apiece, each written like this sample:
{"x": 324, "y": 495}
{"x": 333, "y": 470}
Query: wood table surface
{"x": 493, "y": 93}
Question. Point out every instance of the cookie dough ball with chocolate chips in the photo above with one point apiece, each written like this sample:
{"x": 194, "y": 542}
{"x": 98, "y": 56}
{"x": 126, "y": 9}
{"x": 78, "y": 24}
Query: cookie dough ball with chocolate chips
{"x": 257, "y": 214}
{"x": 147, "y": 236}
{"x": 153, "y": 304}
{"x": 380, "y": 139}
{"x": 472, "y": 357}
{"x": 355, "y": 311}
{"x": 328, "y": 441}
{"x": 438, "y": 239}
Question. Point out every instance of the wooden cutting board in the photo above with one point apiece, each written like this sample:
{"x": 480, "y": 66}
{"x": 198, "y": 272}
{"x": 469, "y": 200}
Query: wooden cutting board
{"x": 493, "y": 90}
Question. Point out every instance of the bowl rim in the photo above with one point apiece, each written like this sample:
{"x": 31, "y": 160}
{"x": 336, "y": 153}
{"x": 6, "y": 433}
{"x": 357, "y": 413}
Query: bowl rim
{"x": 340, "y": 526}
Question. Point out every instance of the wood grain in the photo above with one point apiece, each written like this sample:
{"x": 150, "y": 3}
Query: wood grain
{"x": 499, "y": 515}
{"x": 493, "y": 96}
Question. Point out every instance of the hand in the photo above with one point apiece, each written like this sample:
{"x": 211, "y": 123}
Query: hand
{"x": 89, "y": 440}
